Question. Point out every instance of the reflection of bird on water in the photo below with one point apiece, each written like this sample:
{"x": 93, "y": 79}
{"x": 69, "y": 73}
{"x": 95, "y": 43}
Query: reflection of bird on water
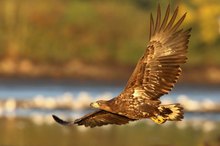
{"x": 155, "y": 75}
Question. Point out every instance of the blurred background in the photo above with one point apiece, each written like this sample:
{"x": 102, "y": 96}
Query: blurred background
{"x": 58, "y": 56}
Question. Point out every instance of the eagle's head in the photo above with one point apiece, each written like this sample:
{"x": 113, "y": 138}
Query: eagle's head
{"x": 101, "y": 104}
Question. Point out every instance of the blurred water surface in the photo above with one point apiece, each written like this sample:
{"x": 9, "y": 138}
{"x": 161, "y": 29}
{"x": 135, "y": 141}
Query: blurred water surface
{"x": 26, "y": 89}
{"x": 75, "y": 97}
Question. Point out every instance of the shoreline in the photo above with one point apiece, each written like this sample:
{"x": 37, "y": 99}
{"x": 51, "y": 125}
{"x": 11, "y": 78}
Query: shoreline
{"x": 87, "y": 72}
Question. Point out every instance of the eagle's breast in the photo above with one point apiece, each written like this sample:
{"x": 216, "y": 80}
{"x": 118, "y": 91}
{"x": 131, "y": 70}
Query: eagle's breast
{"x": 134, "y": 104}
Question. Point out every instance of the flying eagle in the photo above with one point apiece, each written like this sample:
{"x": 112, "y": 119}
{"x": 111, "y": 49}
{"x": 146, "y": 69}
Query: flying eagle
{"x": 155, "y": 75}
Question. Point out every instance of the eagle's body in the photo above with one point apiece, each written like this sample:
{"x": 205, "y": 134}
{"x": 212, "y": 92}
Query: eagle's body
{"x": 155, "y": 75}
{"x": 138, "y": 105}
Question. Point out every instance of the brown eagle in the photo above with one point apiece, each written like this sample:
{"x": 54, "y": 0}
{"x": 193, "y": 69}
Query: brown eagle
{"x": 155, "y": 75}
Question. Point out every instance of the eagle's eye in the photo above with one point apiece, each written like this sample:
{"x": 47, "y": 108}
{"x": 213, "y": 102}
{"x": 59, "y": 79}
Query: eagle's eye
{"x": 95, "y": 104}
{"x": 99, "y": 102}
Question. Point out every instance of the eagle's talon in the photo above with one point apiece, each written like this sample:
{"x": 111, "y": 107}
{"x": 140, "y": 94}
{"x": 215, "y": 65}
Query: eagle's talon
{"x": 158, "y": 119}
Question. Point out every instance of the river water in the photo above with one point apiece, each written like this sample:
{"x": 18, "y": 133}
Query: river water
{"x": 21, "y": 89}
{"x": 25, "y": 89}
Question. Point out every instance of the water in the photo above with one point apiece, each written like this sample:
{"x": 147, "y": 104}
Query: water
{"x": 37, "y": 126}
{"x": 26, "y": 89}
{"x": 20, "y": 89}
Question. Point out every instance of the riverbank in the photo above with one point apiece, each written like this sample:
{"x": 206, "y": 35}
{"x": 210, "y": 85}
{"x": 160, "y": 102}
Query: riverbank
{"x": 44, "y": 131}
{"x": 78, "y": 70}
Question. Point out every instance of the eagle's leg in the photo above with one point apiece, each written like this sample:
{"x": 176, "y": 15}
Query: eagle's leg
{"x": 158, "y": 119}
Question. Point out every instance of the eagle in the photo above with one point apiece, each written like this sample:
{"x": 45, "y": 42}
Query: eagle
{"x": 154, "y": 75}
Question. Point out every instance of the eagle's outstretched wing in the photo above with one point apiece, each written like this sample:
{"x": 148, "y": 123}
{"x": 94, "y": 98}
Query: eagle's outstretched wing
{"x": 97, "y": 118}
{"x": 159, "y": 68}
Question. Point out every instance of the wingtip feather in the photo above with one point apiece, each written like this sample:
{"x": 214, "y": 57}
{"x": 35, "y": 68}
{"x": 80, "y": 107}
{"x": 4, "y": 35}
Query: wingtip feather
{"x": 60, "y": 121}
{"x": 172, "y": 20}
{"x": 151, "y": 26}
{"x": 157, "y": 25}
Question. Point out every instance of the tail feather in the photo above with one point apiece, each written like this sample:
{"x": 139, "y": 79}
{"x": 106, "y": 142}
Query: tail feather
{"x": 172, "y": 112}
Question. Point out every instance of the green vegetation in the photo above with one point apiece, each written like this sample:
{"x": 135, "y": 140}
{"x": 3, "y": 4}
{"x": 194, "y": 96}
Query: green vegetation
{"x": 95, "y": 31}
{"x": 23, "y": 132}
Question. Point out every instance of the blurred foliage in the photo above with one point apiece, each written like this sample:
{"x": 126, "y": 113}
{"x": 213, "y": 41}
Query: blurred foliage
{"x": 95, "y": 31}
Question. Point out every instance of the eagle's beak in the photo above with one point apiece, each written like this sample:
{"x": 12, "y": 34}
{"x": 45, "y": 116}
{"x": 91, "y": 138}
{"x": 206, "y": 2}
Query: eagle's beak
{"x": 94, "y": 105}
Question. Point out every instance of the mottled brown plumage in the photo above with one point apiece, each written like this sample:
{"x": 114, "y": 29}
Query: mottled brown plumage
{"x": 155, "y": 75}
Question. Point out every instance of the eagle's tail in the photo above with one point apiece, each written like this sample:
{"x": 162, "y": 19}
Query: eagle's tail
{"x": 170, "y": 112}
